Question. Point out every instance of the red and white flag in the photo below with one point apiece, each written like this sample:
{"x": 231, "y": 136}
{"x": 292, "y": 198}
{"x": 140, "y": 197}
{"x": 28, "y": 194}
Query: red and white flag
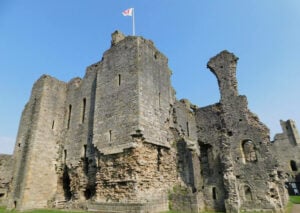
{"x": 128, "y": 12}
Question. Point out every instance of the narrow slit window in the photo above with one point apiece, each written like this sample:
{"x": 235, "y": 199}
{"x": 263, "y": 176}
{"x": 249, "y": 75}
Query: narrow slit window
{"x": 83, "y": 110}
{"x": 53, "y": 122}
{"x": 110, "y": 135}
{"x": 65, "y": 156}
{"x": 69, "y": 116}
{"x": 119, "y": 79}
{"x": 159, "y": 99}
{"x": 187, "y": 129}
{"x": 214, "y": 193}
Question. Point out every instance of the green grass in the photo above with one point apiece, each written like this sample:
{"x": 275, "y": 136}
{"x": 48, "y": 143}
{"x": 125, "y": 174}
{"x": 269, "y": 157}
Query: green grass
{"x": 3, "y": 210}
{"x": 295, "y": 199}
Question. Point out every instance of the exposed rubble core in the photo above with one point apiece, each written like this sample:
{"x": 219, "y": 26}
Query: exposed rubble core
{"x": 119, "y": 141}
{"x": 5, "y": 177}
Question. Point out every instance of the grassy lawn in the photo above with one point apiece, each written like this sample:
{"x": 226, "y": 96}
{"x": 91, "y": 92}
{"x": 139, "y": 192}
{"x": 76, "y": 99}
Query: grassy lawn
{"x": 2, "y": 210}
{"x": 293, "y": 200}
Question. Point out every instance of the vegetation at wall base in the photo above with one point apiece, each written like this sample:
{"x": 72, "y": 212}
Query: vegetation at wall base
{"x": 3, "y": 210}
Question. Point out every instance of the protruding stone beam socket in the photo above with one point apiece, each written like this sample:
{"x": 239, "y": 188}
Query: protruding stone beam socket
{"x": 223, "y": 66}
{"x": 116, "y": 37}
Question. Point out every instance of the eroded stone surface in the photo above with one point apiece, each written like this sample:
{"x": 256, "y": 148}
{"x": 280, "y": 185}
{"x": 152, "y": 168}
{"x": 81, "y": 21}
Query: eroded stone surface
{"x": 118, "y": 140}
{"x": 5, "y": 177}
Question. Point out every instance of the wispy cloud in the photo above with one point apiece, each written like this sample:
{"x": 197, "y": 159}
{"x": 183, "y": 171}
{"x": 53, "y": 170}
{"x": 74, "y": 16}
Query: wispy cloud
{"x": 7, "y": 144}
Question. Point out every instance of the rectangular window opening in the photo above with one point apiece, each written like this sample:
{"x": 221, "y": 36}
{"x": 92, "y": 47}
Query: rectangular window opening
{"x": 110, "y": 135}
{"x": 69, "y": 116}
{"x": 119, "y": 79}
{"x": 65, "y": 156}
{"x": 214, "y": 193}
{"x": 83, "y": 110}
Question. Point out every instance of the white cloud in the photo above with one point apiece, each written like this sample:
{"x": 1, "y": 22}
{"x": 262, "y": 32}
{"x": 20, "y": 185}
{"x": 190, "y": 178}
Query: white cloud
{"x": 7, "y": 145}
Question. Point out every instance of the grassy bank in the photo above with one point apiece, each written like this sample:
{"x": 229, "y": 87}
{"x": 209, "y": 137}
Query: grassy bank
{"x": 3, "y": 210}
{"x": 293, "y": 200}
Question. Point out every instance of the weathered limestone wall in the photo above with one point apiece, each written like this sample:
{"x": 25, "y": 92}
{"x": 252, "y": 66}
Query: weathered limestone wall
{"x": 118, "y": 140}
{"x": 116, "y": 105}
{"x": 156, "y": 95}
{"x": 249, "y": 170}
{"x": 210, "y": 140}
{"x": 36, "y": 147}
{"x": 6, "y": 164}
{"x": 286, "y": 148}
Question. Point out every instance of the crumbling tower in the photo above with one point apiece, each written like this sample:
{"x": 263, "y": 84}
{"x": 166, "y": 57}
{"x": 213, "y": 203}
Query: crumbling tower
{"x": 117, "y": 140}
{"x": 240, "y": 142}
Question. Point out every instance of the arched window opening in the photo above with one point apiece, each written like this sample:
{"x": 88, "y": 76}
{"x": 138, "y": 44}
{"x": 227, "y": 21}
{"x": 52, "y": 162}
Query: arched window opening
{"x": 248, "y": 193}
{"x": 83, "y": 110}
{"x": 293, "y": 165}
{"x": 214, "y": 193}
{"x": 249, "y": 151}
{"x": 69, "y": 116}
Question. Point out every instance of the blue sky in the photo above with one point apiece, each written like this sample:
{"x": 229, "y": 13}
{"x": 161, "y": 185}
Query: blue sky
{"x": 61, "y": 38}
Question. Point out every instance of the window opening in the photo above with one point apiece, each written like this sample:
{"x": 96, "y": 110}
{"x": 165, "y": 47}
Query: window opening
{"x": 110, "y": 135}
{"x": 84, "y": 149}
{"x": 293, "y": 165}
{"x": 187, "y": 129}
{"x": 83, "y": 110}
{"x": 214, "y": 193}
{"x": 248, "y": 194}
{"x": 159, "y": 99}
{"x": 65, "y": 156}
{"x": 249, "y": 151}
{"x": 119, "y": 79}
{"x": 53, "y": 122}
{"x": 69, "y": 116}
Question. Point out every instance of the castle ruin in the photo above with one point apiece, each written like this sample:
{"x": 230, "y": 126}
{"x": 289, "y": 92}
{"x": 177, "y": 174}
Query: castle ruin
{"x": 119, "y": 141}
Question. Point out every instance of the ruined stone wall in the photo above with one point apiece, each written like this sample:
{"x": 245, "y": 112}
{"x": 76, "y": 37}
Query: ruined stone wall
{"x": 210, "y": 140}
{"x": 6, "y": 168}
{"x": 285, "y": 147}
{"x": 250, "y": 174}
{"x": 118, "y": 140}
{"x": 36, "y": 147}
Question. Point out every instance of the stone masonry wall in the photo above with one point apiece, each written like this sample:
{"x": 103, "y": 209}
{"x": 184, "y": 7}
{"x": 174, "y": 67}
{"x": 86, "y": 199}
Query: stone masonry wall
{"x": 117, "y": 140}
{"x": 36, "y": 147}
{"x": 286, "y": 148}
{"x": 6, "y": 164}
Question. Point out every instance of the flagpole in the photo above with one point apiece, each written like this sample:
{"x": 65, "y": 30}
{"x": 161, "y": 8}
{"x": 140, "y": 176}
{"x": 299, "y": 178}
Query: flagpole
{"x": 133, "y": 24}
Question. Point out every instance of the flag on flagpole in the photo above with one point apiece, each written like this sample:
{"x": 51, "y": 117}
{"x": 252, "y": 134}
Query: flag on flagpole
{"x": 128, "y": 12}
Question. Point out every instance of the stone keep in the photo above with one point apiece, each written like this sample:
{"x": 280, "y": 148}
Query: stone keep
{"x": 119, "y": 141}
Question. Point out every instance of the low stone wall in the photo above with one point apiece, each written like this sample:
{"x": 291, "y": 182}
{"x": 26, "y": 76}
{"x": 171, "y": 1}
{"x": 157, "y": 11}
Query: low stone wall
{"x": 157, "y": 206}
{"x": 184, "y": 203}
